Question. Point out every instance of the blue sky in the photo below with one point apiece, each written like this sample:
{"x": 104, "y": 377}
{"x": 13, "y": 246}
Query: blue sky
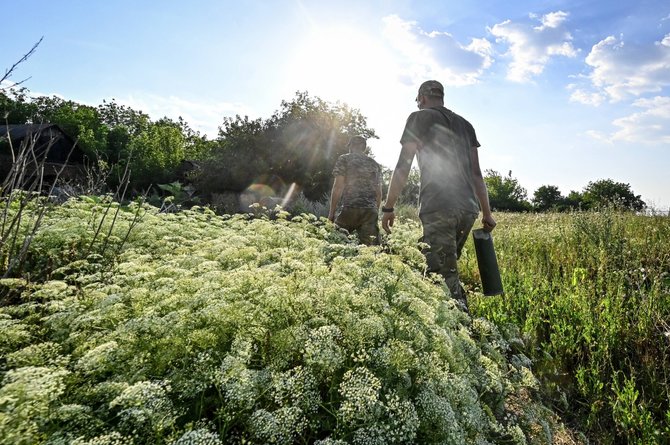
{"x": 560, "y": 92}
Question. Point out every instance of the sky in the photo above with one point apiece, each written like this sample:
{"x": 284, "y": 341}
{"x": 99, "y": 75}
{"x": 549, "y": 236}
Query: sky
{"x": 560, "y": 92}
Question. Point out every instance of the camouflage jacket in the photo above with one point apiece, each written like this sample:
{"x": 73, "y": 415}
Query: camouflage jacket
{"x": 362, "y": 178}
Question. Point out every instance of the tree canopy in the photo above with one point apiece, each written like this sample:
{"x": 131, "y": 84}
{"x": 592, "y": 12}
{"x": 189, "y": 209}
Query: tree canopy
{"x": 113, "y": 133}
{"x": 298, "y": 144}
{"x": 505, "y": 192}
{"x": 606, "y": 192}
{"x": 547, "y": 197}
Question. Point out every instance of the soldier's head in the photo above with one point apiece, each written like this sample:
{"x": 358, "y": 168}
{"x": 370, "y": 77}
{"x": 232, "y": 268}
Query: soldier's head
{"x": 431, "y": 94}
{"x": 356, "y": 144}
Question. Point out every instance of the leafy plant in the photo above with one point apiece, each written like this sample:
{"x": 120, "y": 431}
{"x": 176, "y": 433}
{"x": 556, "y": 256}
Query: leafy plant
{"x": 590, "y": 292}
{"x": 251, "y": 330}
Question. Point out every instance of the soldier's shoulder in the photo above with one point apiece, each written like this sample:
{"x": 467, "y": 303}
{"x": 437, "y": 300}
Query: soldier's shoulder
{"x": 362, "y": 158}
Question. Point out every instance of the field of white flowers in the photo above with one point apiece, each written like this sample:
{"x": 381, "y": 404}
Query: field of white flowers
{"x": 193, "y": 328}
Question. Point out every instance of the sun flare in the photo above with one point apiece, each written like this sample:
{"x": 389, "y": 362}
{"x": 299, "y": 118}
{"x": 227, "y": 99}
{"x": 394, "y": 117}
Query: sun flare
{"x": 341, "y": 63}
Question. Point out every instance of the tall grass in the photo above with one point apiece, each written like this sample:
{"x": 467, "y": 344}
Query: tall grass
{"x": 590, "y": 292}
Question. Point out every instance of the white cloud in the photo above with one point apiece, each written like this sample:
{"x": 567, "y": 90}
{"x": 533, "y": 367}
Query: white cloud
{"x": 552, "y": 20}
{"x": 437, "y": 54}
{"x": 532, "y": 47}
{"x": 649, "y": 126}
{"x": 599, "y": 136}
{"x": 621, "y": 70}
{"x": 586, "y": 97}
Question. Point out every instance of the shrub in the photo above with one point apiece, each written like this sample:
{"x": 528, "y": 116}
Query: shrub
{"x": 241, "y": 330}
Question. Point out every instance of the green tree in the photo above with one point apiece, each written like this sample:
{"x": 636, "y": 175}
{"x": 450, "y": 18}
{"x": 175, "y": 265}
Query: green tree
{"x": 81, "y": 122}
{"x": 575, "y": 201}
{"x": 505, "y": 192}
{"x": 114, "y": 133}
{"x": 237, "y": 159}
{"x": 298, "y": 144}
{"x": 156, "y": 152}
{"x": 548, "y": 197}
{"x": 15, "y": 107}
{"x": 305, "y": 137}
{"x": 606, "y": 192}
{"x": 410, "y": 193}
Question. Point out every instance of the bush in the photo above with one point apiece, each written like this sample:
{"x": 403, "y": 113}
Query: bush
{"x": 239, "y": 330}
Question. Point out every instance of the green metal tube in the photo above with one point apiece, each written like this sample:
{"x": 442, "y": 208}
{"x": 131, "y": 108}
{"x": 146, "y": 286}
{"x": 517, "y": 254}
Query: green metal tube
{"x": 487, "y": 262}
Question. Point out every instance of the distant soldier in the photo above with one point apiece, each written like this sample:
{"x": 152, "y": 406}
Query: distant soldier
{"x": 358, "y": 187}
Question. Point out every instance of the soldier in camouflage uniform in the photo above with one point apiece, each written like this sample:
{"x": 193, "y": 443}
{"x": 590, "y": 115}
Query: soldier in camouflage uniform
{"x": 358, "y": 188}
{"x": 452, "y": 186}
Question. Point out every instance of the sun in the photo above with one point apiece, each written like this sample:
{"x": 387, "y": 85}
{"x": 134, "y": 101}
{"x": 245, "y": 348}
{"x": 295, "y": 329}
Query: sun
{"x": 341, "y": 63}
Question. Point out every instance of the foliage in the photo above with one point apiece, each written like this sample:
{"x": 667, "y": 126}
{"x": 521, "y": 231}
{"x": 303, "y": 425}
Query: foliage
{"x": 178, "y": 196}
{"x": 590, "y": 292}
{"x": 606, "y": 192}
{"x": 298, "y": 144}
{"x": 547, "y": 197}
{"x": 505, "y": 192}
{"x": 206, "y": 329}
{"x": 575, "y": 201}
{"x": 115, "y": 134}
{"x": 409, "y": 196}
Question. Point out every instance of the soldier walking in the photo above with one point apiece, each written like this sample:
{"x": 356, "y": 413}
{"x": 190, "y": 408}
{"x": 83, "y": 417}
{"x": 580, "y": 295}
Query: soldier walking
{"x": 453, "y": 190}
{"x": 358, "y": 188}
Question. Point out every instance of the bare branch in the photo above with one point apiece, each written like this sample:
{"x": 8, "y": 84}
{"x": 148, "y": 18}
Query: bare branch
{"x": 26, "y": 56}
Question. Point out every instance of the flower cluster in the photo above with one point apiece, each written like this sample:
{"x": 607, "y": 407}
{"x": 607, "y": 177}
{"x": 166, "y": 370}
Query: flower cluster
{"x": 360, "y": 397}
{"x": 296, "y": 387}
{"x": 145, "y": 405}
{"x": 265, "y": 331}
{"x": 281, "y": 426}
{"x": 26, "y": 397}
{"x": 322, "y": 350}
{"x": 198, "y": 437}
{"x": 113, "y": 438}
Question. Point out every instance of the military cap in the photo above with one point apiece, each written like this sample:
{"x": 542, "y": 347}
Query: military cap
{"x": 356, "y": 140}
{"x": 431, "y": 88}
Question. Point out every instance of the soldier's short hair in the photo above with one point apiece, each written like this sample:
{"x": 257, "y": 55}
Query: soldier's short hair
{"x": 356, "y": 141}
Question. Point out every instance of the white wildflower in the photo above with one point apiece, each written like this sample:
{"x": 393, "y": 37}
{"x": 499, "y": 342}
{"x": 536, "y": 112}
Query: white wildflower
{"x": 40, "y": 354}
{"x": 297, "y": 387}
{"x": 26, "y": 396}
{"x": 322, "y": 350}
{"x": 282, "y": 426}
{"x": 360, "y": 394}
{"x": 438, "y": 417}
{"x": 198, "y": 437}
{"x": 113, "y": 438}
{"x": 146, "y": 402}
{"x": 98, "y": 359}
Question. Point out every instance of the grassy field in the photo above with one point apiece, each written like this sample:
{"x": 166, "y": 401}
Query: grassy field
{"x": 121, "y": 324}
{"x": 591, "y": 295}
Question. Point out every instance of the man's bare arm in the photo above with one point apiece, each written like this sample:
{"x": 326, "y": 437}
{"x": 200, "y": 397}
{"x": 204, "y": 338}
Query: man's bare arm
{"x": 398, "y": 181}
{"x": 481, "y": 191}
{"x": 335, "y": 196}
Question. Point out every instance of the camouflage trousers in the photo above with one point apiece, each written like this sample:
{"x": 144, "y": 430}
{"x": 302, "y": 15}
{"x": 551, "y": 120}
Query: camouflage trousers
{"x": 445, "y": 232}
{"x": 363, "y": 221}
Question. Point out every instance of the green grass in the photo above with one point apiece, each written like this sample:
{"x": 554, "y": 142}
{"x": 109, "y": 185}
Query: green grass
{"x": 591, "y": 295}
